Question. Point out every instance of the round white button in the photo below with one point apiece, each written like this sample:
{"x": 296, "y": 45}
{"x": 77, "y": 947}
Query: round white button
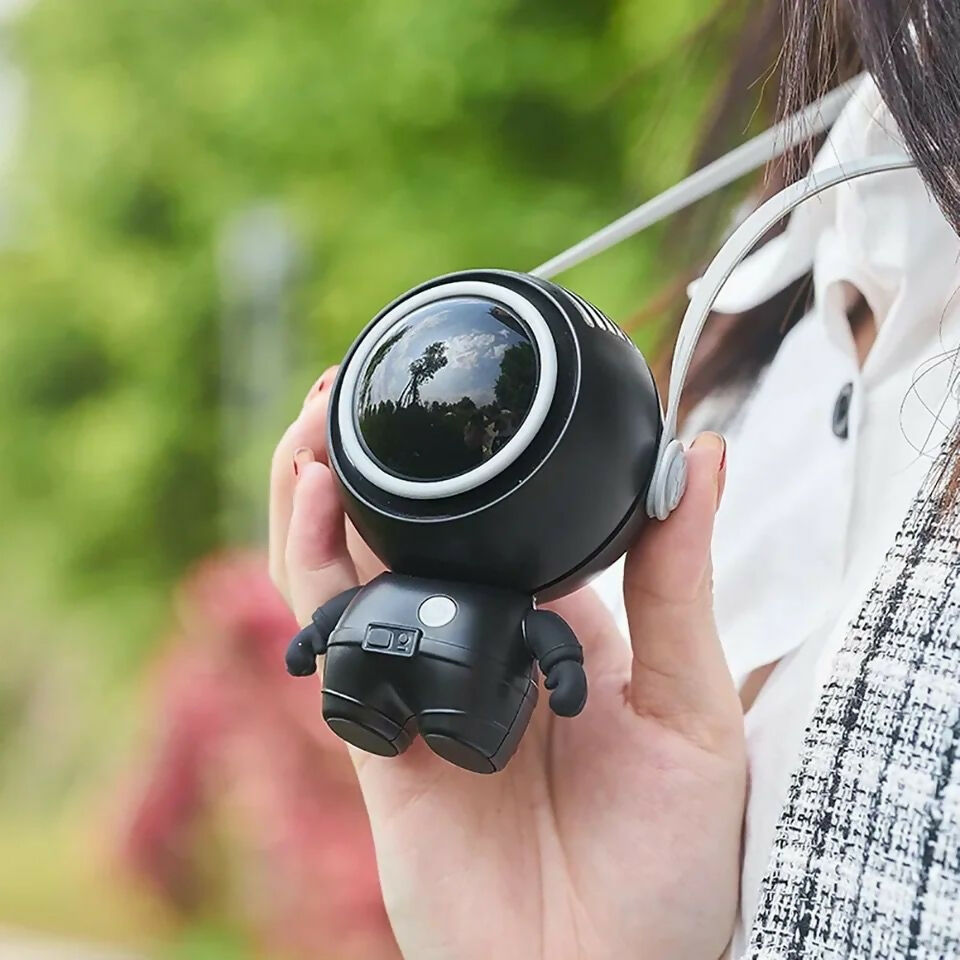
{"x": 437, "y": 611}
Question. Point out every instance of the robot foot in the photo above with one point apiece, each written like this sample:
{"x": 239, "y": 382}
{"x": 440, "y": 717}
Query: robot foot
{"x": 472, "y": 743}
{"x": 364, "y": 727}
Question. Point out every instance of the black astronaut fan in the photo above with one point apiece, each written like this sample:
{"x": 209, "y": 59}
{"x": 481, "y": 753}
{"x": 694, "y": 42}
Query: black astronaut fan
{"x": 497, "y": 441}
{"x": 493, "y": 436}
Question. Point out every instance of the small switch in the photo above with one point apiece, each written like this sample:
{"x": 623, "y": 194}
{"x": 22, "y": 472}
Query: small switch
{"x": 378, "y": 638}
{"x": 395, "y": 640}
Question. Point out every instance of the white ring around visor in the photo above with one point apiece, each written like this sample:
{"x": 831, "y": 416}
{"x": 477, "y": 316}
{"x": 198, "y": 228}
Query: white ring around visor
{"x": 546, "y": 387}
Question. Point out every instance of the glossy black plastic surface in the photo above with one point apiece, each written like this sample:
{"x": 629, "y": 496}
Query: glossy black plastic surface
{"x": 441, "y": 393}
{"x": 468, "y": 686}
{"x": 569, "y": 505}
{"x": 446, "y": 388}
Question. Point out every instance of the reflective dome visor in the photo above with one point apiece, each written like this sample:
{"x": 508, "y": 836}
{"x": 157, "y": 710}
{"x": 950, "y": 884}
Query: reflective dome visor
{"x": 446, "y": 388}
{"x": 416, "y": 363}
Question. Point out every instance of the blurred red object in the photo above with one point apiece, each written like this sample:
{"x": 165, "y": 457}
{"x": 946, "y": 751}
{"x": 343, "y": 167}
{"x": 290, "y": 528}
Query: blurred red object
{"x": 241, "y": 742}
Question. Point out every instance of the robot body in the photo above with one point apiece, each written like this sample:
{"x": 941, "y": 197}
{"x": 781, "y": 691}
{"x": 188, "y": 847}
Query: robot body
{"x": 464, "y": 679}
{"x": 451, "y": 661}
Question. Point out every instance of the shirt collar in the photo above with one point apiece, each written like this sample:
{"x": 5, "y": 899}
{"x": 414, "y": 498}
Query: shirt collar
{"x": 874, "y": 232}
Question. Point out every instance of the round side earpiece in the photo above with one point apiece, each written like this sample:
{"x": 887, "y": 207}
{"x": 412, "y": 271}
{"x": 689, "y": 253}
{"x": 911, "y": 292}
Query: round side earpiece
{"x": 668, "y": 482}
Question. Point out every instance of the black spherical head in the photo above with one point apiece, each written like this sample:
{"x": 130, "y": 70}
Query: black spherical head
{"x": 491, "y": 427}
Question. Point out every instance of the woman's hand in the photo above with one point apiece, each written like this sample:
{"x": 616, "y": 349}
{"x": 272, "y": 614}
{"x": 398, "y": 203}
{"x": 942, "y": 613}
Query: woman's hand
{"x": 612, "y": 835}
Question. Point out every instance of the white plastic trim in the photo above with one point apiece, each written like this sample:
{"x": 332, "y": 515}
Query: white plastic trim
{"x": 546, "y": 387}
{"x": 737, "y": 247}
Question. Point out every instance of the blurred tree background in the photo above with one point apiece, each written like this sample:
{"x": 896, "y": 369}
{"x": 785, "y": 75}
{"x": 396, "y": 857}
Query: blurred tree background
{"x": 208, "y": 198}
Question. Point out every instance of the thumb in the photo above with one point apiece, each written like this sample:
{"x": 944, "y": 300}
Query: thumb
{"x": 679, "y": 675}
{"x": 318, "y": 564}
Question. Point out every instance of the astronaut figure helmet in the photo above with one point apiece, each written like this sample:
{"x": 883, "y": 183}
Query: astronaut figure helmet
{"x": 494, "y": 428}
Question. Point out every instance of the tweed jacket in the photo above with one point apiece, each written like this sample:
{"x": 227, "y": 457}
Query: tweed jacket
{"x": 866, "y": 857}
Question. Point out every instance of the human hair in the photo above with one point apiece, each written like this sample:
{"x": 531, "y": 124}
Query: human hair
{"x": 911, "y": 49}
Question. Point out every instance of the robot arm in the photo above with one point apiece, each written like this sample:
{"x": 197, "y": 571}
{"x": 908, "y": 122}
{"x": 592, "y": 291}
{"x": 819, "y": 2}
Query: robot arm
{"x": 311, "y": 641}
{"x": 560, "y": 656}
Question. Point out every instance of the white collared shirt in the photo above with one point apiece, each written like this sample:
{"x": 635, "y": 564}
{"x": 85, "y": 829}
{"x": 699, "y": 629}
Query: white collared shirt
{"x": 813, "y": 497}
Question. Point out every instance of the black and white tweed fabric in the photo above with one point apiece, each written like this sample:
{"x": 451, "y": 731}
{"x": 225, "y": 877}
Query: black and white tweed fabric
{"x": 866, "y": 858}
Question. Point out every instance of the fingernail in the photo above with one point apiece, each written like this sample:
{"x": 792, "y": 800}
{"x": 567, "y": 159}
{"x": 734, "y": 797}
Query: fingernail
{"x": 714, "y": 440}
{"x": 301, "y": 457}
{"x": 719, "y": 443}
{"x": 722, "y": 473}
{"x": 324, "y": 382}
{"x": 326, "y": 379}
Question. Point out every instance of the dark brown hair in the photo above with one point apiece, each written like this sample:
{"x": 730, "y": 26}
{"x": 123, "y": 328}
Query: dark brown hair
{"x": 912, "y": 48}
{"x": 803, "y": 48}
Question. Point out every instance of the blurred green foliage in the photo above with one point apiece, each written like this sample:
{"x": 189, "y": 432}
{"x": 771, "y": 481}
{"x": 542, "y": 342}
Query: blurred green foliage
{"x": 398, "y": 139}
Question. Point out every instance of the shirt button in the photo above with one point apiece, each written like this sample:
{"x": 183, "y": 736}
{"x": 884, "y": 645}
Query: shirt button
{"x": 841, "y": 412}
